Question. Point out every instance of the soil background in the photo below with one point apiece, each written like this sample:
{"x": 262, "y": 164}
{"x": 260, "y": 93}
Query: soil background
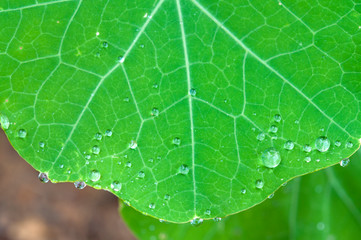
{"x": 31, "y": 210}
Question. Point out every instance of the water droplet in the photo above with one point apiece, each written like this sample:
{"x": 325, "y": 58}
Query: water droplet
{"x": 176, "y": 141}
{"x": 307, "y": 148}
{"x": 105, "y": 45}
{"x": 349, "y": 144}
{"x": 141, "y": 45}
{"x": 98, "y": 136}
{"x": 322, "y": 144}
{"x": 271, "y": 158}
{"x": 308, "y": 159}
{"x": 141, "y": 174}
{"x": 273, "y": 129}
{"x": 207, "y": 212}
{"x": 128, "y": 164}
{"x": 87, "y": 156}
{"x": 261, "y": 137}
{"x": 116, "y": 186}
{"x": 196, "y": 221}
{"x": 277, "y": 118}
{"x": 192, "y": 92}
{"x": 43, "y": 177}
{"x": 4, "y": 122}
{"x": 151, "y": 205}
{"x": 217, "y": 219}
{"x": 155, "y": 85}
{"x": 166, "y": 197}
{"x": 41, "y": 144}
{"x": 121, "y": 59}
{"x": 61, "y": 166}
{"x": 243, "y": 191}
{"x": 338, "y": 143}
{"x": 126, "y": 99}
{"x": 184, "y": 169}
{"x": 22, "y": 133}
{"x": 344, "y": 162}
{"x": 155, "y": 112}
{"x": 108, "y": 133}
{"x": 259, "y": 184}
{"x": 297, "y": 122}
{"x": 150, "y": 160}
{"x": 133, "y": 144}
{"x": 289, "y": 145}
{"x": 94, "y": 175}
{"x": 80, "y": 185}
{"x": 271, "y": 196}
{"x": 95, "y": 150}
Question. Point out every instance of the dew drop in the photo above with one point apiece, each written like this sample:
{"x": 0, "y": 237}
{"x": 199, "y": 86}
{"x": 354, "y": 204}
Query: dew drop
{"x": 289, "y": 145}
{"x": 196, "y": 221}
{"x": 4, "y": 122}
{"x": 126, "y": 99}
{"x": 184, "y": 169}
{"x": 192, "y": 92}
{"x": 121, "y": 59}
{"x": 166, "y": 197}
{"x": 94, "y": 175}
{"x": 349, "y": 144}
{"x": 150, "y": 160}
{"x": 307, "y": 148}
{"x": 87, "y": 156}
{"x": 259, "y": 184}
{"x": 308, "y": 159}
{"x": 322, "y": 144}
{"x": 217, "y": 219}
{"x": 271, "y": 196}
{"x": 176, "y": 141}
{"x": 22, "y": 133}
{"x": 338, "y": 143}
{"x": 128, "y": 164}
{"x": 207, "y": 212}
{"x": 243, "y": 191}
{"x": 41, "y": 144}
{"x": 61, "y": 166}
{"x": 141, "y": 174}
{"x": 108, "y": 133}
{"x": 273, "y": 129}
{"x": 261, "y": 137}
{"x": 80, "y": 185}
{"x": 151, "y": 205}
{"x": 98, "y": 136}
{"x": 344, "y": 162}
{"x": 271, "y": 158}
{"x": 95, "y": 150}
{"x": 116, "y": 186}
{"x": 277, "y": 118}
{"x": 133, "y": 144}
{"x": 155, "y": 112}
{"x": 105, "y": 45}
{"x": 43, "y": 177}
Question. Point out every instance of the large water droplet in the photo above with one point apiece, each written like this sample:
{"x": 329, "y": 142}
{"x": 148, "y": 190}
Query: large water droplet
{"x": 277, "y": 118}
{"x": 261, "y": 137}
{"x": 259, "y": 184}
{"x": 4, "y": 122}
{"x": 289, "y": 145}
{"x": 94, "y": 175}
{"x": 80, "y": 185}
{"x": 273, "y": 129}
{"x": 344, "y": 162}
{"x": 322, "y": 144}
{"x": 196, "y": 221}
{"x": 271, "y": 158}
{"x": 133, "y": 144}
{"x": 116, "y": 186}
{"x": 22, "y": 133}
{"x": 98, "y": 136}
{"x": 95, "y": 150}
{"x": 43, "y": 177}
{"x": 184, "y": 169}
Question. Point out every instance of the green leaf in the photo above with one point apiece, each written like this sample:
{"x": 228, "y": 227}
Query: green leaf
{"x": 324, "y": 205}
{"x": 171, "y": 104}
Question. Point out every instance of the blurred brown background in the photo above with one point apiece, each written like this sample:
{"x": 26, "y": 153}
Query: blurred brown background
{"x": 31, "y": 210}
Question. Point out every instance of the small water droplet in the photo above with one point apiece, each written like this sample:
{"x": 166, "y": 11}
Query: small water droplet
{"x": 243, "y": 191}
{"x": 141, "y": 174}
{"x": 108, "y": 133}
{"x": 61, "y": 166}
{"x": 98, "y": 136}
{"x": 141, "y": 45}
{"x": 261, "y": 137}
{"x": 277, "y": 118}
{"x": 151, "y": 205}
{"x": 322, "y": 144}
{"x": 94, "y": 175}
{"x": 308, "y": 159}
{"x": 126, "y": 99}
{"x": 259, "y": 184}
{"x": 344, "y": 162}
{"x": 271, "y": 158}
{"x": 87, "y": 156}
{"x": 121, "y": 59}
{"x": 207, "y": 212}
{"x": 192, "y": 92}
{"x": 155, "y": 85}
{"x": 176, "y": 141}
{"x": 22, "y": 133}
{"x": 307, "y": 148}
{"x": 95, "y": 150}
{"x": 196, "y": 221}
{"x": 217, "y": 219}
{"x": 133, "y": 144}
{"x": 297, "y": 122}
{"x": 183, "y": 169}
{"x": 166, "y": 197}
{"x": 349, "y": 144}
{"x": 271, "y": 196}
{"x": 80, "y": 185}
{"x": 155, "y": 112}
{"x": 128, "y": 164}
{"x": 105, "y": 45}
{"x": 43, "y": 177}
{"x": 116, "y": 186}
{"x": 150, "y": 160}
{"x": 41, "y": 144}
{"x": 273, "y": 129}
{"x": 289, "y": 145}
{"x": 338, "y": 143}
{"x": 4, "y": 122}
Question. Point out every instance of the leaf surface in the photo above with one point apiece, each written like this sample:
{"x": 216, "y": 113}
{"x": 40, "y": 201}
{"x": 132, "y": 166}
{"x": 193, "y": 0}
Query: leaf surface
{"x": 171, "y": 104}
{"x": 324, "y": 205}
